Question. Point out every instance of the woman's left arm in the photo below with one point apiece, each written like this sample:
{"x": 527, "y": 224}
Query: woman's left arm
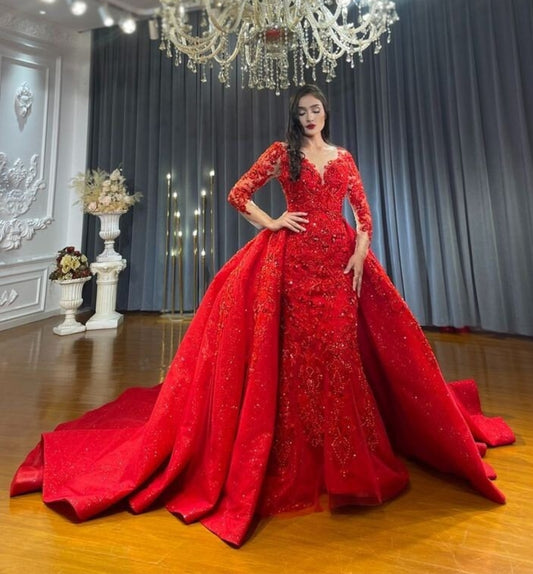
{"x": 363, "y": 220}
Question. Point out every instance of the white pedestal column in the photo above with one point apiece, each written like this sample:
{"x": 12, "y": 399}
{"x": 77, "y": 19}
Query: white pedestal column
{"x": 70, "y": 300}
{"x": 106, "y": 295}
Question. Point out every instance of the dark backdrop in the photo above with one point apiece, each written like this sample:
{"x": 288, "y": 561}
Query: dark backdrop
{"x": 440, "y": 122}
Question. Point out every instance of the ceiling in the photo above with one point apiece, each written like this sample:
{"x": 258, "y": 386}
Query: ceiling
{"x": 59, "y": 13}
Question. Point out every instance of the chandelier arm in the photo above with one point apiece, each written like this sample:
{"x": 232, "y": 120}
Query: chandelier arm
{"x": 294, "y": 19}
{"x": 188, "y": 43}
{"x": 360, "y": 42}
{"x": 197, "y": 48}
{"x": 211, "y": 14}
{"x": 256, "y": 8}
{"x": 329, "y": 24}
{"x": 231, "y": 58}
{"x": 323, "y": 52}
{"x": 193, "y": 44}
{"x": 348, "y": 31}
{"x": 351, "y": 40}
{"x": 330, "y": 21}
{"x": 329, "y": 18}
{"x": 305, "y": 49}
{"x": 251, "y": 60}
{"x": 201, "y": 55}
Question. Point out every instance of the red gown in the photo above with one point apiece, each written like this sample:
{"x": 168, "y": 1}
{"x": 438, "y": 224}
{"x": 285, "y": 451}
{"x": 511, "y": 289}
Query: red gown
{"x": 285, "y": 386}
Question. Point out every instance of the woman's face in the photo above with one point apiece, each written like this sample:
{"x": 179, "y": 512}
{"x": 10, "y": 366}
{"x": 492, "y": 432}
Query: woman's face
{"x": 311, "y": 115}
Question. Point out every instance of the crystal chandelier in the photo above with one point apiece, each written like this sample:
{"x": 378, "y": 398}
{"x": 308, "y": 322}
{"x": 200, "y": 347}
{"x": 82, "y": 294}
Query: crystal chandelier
{"x": 277, "y": 40}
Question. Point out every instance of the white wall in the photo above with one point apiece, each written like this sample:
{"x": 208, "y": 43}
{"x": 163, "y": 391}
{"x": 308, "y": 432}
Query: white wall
{"x": 37, "y": 213}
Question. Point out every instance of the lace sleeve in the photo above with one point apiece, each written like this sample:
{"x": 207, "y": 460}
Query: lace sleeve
{"x": 263, "y": 170}
{"x": 357, "y": 198}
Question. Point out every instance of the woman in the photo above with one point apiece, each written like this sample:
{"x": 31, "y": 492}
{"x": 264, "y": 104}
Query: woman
{"x": 300, "y": 364}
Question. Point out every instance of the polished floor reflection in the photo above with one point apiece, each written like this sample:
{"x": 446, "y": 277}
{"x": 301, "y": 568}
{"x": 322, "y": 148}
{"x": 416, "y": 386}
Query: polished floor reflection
{"x": 438, "y": 526}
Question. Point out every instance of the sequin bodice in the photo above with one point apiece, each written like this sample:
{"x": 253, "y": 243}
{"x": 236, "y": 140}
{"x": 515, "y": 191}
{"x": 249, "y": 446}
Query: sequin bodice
{"x": 313, "y": 192}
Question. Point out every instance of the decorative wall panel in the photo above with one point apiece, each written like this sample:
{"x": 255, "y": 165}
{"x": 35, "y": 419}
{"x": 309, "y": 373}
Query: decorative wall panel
{"x": 44, "y": 89}
{"x": 29, "y": 105}
{"x": 18, "y": 191}
{"x": 23, "y": 292}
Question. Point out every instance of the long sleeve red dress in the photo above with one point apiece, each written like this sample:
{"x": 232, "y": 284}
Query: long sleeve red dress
{"x": 286, "y": 386}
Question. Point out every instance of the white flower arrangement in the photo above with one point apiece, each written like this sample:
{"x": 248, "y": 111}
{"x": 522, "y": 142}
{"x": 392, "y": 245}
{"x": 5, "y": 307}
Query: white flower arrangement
{"x": 102, "y": 192}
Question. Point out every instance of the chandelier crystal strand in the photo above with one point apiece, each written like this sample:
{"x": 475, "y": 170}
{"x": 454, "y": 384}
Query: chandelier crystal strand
{"x": 277, "y": 40}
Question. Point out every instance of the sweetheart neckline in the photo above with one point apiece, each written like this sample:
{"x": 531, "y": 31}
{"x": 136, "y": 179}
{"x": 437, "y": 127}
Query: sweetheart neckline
{"x": 326, "y": 165}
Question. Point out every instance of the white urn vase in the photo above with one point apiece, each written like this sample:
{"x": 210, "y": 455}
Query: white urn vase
{"x": 70, "y": 300}
{"x": 109, "y": 231}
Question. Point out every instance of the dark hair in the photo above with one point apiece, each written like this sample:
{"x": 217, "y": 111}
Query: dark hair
{"x": 295, "y": 131}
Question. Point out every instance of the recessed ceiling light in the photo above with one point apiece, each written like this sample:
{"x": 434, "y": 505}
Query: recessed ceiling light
{"x": 77, "y": 7}
{"x": 48, "y": 1}
{"x": 42, "y": 12}
{"x": 128, "y": 25}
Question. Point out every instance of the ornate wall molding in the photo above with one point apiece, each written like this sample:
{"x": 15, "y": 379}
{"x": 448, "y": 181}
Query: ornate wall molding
{"x": 23, "y": 103}
{"x": 18, "y": 186}
{"x": 22, "y": 23}
{"x": 8, "y": 297}
{"x": 14, "y": 231}
{"x": 18, "y": 190}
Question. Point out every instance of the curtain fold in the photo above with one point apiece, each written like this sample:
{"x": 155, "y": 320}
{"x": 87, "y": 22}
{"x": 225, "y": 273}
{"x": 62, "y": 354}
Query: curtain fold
{"x": 440, "y": 122}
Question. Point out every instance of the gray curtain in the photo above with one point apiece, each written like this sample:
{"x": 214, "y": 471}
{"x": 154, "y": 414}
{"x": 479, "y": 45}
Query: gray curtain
{"x": 440, "y": 122}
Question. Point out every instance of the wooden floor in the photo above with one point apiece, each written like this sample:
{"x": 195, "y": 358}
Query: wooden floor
{"x": 438, "y": 526}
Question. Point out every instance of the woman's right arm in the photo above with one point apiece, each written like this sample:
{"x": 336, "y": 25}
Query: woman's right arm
{"x": 263, "y": 170}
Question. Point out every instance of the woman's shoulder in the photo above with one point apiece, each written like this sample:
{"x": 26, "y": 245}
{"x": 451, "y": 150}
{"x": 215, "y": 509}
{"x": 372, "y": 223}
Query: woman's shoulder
{"x": 281, "y": 146}
{"x": 273, "y": 156}
{"x": 346, "y": 155}
{"x": 276, "y": 149}
{"x": 343, "y": 151}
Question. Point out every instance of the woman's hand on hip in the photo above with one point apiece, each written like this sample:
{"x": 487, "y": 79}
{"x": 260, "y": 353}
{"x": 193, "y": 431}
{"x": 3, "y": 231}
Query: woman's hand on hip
{"x": 292, "y": 220}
